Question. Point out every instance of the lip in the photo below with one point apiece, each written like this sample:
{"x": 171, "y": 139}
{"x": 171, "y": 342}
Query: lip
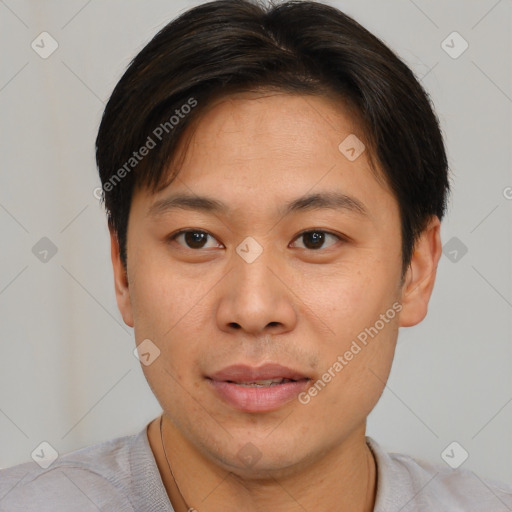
{"x": 244, "y": 373}
{"x": 257, "y": 399}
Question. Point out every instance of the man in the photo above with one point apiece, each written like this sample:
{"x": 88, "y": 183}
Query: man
{"x": 274, "y": 180}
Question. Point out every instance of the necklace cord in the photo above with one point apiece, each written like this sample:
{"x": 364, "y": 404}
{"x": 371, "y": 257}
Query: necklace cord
{"x": 189, "y": 508}
{"x": 169, "y": 465}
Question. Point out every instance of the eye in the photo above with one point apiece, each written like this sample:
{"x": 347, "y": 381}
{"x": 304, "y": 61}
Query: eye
{"x": 195, "y": 239}
{"x": 316, "y": 239}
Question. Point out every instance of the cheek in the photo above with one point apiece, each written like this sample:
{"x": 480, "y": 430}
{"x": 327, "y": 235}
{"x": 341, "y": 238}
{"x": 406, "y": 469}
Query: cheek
{"x": 169, "y": 312}
{"x": 348, "y": 297}
{"x": 171, "y": 309}
{"x": 354, "y": 377}
{"x": 167, "y": 296}
{"x": 359, "y": 305}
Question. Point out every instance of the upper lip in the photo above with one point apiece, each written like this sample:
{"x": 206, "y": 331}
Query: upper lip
{"x": 244, "y": 373}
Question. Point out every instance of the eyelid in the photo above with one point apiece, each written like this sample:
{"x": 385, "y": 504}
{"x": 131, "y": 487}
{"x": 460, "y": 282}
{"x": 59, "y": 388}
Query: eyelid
{"x": 176, "y": 234}
{"x": 339, "y": 236}
{"x": 173, "y": 236}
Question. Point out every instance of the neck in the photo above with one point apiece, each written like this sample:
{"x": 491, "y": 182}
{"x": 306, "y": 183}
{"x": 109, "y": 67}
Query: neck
{"x": 343, "y": 479}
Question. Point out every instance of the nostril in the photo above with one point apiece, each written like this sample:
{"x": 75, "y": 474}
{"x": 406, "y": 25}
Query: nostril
{"x": 235, "y": 325}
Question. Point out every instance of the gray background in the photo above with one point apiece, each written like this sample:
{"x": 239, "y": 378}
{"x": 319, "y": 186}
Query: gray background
{"x": 67, "y": 372}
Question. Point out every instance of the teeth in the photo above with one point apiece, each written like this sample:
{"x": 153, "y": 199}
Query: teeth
{"x": 263, "y": 383}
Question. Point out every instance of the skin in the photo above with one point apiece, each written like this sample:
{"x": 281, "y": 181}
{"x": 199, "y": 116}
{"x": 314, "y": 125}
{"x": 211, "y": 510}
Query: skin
{"x": 208, "y": 308}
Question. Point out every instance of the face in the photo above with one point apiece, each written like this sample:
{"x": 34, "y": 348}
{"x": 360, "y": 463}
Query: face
{"x": 271, "y": 256}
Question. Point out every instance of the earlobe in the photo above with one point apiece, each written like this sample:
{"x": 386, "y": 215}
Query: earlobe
{"x": 120, "y": 281}
{"x": 421, "y": 274}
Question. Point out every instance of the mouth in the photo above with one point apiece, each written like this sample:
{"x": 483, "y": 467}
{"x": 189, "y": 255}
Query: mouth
{"x": 257, "y": 389}
{"x": 262, "y": 383}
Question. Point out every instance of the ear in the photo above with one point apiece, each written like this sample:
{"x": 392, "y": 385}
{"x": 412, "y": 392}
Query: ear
{"x": 421, "y": 274}
{"x": 120, "y": 281}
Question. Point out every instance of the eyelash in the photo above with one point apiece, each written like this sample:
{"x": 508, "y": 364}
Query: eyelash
{"x": 340, "y": 238}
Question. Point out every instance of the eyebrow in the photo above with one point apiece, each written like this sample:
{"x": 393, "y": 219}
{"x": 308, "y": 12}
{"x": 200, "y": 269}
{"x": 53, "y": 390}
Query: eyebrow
{"x": 325, "y": 200}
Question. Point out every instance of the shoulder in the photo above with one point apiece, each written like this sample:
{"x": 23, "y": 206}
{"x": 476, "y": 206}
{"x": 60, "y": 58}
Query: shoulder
{"x": 410, "y": 484}
{"x": 88, "y": 479}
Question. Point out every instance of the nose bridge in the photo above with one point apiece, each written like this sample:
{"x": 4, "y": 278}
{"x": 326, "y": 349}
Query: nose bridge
{"x": 252, "y": 259}
{"x": 253, "y": 280}
{"x": 255, "y": 300}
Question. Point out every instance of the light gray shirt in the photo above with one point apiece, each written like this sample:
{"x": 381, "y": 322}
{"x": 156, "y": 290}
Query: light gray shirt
{"x": 121, "y": 475}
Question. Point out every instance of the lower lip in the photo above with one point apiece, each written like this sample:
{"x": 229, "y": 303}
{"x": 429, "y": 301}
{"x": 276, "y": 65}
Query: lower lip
{"x": 258, "y": 399}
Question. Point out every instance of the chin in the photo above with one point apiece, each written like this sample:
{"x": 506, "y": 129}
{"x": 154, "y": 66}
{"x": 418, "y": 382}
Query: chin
{"x": 258, "y": 458}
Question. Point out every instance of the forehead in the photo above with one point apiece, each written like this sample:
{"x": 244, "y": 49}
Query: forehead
{"x": 276, "y": 121}
{"x": 258, "y": 147}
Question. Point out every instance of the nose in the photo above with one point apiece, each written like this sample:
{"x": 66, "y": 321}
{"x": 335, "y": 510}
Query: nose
{"x": 256, "y": 299}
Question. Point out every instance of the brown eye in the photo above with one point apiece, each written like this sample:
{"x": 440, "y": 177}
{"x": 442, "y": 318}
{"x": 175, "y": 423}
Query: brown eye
{"x": 195, "y": 239}
{"x": 315, "y": 240}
